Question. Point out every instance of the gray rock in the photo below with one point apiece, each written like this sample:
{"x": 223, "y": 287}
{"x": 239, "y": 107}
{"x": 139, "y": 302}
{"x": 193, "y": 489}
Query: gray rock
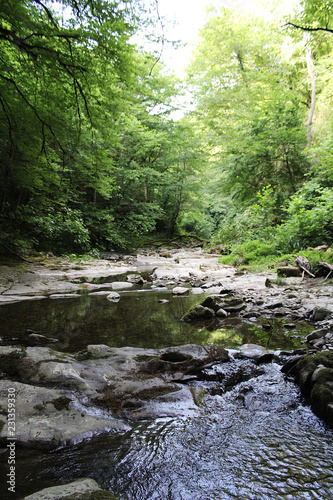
{"x": 317, "y": 334}
{"x": 78, "y": 487}
{"x": 252, "y": 351}
{"x": 180, "y": 290}
{"x": 64, "y": 296}
{"x": 113, "y": 297}
{"x": 47, "y": 417}
{"x": 136, "y": 279}
{"x": 273, "y": 305}
{"x": 321, "y": 313}
{"x": 221, "y": 313}
{"x": 229, "y": 304}
{"x": 121, "y": 285}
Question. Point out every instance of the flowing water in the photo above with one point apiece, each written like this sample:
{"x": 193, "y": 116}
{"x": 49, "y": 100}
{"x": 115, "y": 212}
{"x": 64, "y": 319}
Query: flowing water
{"x": 256, "y": 440}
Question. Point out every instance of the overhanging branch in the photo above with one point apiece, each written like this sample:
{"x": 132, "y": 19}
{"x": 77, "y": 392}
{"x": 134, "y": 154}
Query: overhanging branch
{"x": 305, "y": 28}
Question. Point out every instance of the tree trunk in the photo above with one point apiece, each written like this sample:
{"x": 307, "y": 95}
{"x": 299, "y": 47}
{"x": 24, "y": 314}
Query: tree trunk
{"x": 312, "y": 75}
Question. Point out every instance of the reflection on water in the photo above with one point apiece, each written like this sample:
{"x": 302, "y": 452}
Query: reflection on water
{"x": 137, "y": 320}
{"x": 255, "y": 442}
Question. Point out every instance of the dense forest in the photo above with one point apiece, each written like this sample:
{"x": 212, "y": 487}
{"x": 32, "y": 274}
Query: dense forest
{"x": 92, "y": 158}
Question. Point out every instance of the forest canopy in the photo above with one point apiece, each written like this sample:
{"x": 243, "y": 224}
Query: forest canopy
{"x": 92, "y": 157}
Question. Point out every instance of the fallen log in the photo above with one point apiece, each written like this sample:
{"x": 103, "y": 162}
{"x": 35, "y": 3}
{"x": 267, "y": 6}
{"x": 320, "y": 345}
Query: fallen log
{"x": 303, "y": 264}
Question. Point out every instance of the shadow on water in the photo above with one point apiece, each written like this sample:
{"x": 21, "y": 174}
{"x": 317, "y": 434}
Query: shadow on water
{"x": 139, "y": 319}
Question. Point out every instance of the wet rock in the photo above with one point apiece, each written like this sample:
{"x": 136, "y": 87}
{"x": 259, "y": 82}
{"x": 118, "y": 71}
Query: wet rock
{"x": 180, "y": 290}
{"x": 121, "y": 285}
{"x": 320, "y": 314}
{"x": 317, "y": 334}
{"x": 113, "y": 297}
{"x": 47, "y": 417}
{"x": 273, "y": 305}
{"x": 35, "y": 339}
{"x": 252, "y": 351}
{"x": 314, "y": 374}
{"x": 84, "y": 489}
{"x": 127, "y": 382}
{"x": 64, "y": 296}
{"x": 136, "y": 279}
{"x": 221, "y": 313}
{"x": 198, "y": 313}
{"x": 228, "y": 304}
{"x": 197, "y": 291}
{"x": 165, "y": 254}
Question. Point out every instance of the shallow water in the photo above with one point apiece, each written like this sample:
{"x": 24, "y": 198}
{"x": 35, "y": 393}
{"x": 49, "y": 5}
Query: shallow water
{"x": 255, "y": 442}
{"x": 137, "y": 320}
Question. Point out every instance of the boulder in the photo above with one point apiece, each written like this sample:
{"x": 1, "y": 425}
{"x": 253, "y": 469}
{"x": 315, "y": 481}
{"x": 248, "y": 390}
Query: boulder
{"x": 314, "y": 374}
{"x": 320, "y": 314}
{"x": 198, "y": 313}
{"x": 229, "y": 304}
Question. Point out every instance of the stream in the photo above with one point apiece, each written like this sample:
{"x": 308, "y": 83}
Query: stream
{"x": 256, "y": 440}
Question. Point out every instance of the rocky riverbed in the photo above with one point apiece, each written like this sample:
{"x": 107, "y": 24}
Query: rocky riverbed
{"x": 64, "y": 398}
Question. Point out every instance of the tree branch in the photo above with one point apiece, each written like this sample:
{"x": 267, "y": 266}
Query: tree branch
{"x": 304, "y": 28}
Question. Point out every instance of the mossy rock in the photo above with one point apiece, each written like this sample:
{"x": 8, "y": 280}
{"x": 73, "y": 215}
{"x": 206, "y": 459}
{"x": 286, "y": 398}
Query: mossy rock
{"x": 10, "y": 362}
{"x": 61, "y": 403}
{"x": 198, "y": 313}
{"x": 322, "y": 402}
{"x": 314, "y": 374}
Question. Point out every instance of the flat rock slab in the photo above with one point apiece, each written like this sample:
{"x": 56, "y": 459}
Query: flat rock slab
{"x": 47, "y": 417}
{"x": 89, "y": 392}
{"x": 79, "y": 487}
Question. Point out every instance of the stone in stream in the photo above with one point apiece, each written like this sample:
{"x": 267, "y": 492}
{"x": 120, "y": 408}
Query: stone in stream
{"x": 314, "y": 375}
{"x": 121, "y": 285}
{"x": 180, "y": 290}
{"x": 136, "y": 279}
{"x": 113, "y": 297}
{"x": 252, "y": 351}
{"x": 84, "y": 489}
